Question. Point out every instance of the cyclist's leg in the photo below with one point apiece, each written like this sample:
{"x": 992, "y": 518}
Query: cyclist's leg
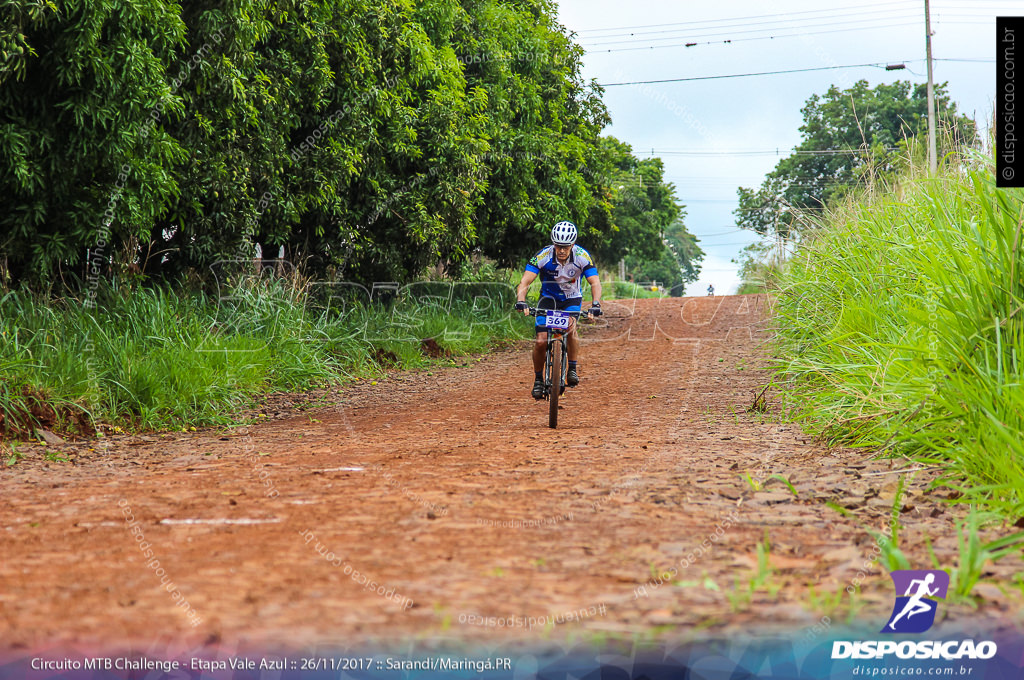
{"x": 539, "y": 357}
{"x": 540, "y": 348}
{"x": 572, "y": 343}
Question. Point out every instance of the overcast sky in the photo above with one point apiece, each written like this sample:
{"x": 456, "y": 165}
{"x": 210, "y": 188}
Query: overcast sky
{"x": 718, "y": 134}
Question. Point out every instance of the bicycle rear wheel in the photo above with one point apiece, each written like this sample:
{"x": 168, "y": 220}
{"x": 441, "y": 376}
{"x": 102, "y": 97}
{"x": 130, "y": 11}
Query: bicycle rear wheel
{"x": 555, "y": 379}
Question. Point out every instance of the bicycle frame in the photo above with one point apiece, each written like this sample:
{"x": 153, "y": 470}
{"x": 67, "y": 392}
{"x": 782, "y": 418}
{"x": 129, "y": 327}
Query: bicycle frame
{"x": 556, "y": 347}
{"x": 555, "y": 335}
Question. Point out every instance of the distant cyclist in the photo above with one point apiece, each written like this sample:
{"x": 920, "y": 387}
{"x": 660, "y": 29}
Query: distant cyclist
{"x": 560, "y": 266}
{"x": 711, "y": 290}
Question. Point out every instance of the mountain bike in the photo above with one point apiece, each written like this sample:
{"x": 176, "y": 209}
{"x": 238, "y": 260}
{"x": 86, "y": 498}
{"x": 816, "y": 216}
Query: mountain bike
{"x": 557, "y": 323}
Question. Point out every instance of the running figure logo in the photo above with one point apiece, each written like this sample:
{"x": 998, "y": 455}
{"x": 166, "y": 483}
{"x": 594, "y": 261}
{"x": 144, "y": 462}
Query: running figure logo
{"x": 912, "y": 613}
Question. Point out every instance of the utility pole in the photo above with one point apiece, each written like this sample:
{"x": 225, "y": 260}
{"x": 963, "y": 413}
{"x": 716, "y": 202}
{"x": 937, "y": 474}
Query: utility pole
{"x": 932, "y": 161}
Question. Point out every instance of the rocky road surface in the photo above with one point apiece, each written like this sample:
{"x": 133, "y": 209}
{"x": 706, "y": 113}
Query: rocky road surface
{"x": 440, "y": 504}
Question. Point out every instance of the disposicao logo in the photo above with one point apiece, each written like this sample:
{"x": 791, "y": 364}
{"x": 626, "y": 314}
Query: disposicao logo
{"x": 913, "y": 613}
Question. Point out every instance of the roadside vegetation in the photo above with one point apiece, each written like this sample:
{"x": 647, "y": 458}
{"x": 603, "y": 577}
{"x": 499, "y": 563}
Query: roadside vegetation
{"x": 627, "y": 290}
{"x": 851, "y": 140}
{"x": 900, "y": 327}
{"x": 131, "y": 357}
{"x": 427, "y": 144}
{"x": 153, "y": 358}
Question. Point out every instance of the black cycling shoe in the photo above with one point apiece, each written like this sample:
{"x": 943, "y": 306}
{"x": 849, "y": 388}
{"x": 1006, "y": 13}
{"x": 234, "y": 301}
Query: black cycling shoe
{"x": 538, "y": 389}
{"x": 571, "y": 379}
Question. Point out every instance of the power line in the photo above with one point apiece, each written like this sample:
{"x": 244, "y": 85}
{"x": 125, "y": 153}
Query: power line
{"x": 746, "y": 18}
{"x": 722, "y": 233}
{"x": 680, "y": 178}
{"x": 905, "y": 15}
{"x": 770, "y": 152}
{"x": 773, "y": 26}
{"x": 776, "y": 152}
{"x": 724, "y": 245}
{"x": 763, "y": 37}
{"x": 694, "y": 43}
{"x": 742, "y": 75}
{"x": 798, "y": 185}
{"x": 769, "y": 73}
{"x": 860, "y": 17}
{"x": 741, "y": 183}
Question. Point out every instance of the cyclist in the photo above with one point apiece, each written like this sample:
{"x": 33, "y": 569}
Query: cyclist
{"x": 560, "y": 266}
{"x": 711, "y": 290}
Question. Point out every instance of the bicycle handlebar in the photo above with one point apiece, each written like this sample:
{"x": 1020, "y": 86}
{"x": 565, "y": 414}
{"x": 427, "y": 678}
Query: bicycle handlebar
{"x": 533, "y": 311}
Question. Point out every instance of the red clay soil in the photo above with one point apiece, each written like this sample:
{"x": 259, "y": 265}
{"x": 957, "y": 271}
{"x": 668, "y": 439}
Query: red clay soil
{"x": 440, "y": 504}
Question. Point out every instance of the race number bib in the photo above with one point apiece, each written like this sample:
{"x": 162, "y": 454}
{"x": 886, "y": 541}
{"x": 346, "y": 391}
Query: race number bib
{"x": 556, "y": 319}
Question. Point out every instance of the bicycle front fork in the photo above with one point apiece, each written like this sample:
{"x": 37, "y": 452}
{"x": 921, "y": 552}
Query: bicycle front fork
{"x": 549, "y": 381}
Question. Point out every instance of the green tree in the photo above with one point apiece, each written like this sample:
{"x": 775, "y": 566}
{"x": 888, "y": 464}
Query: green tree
{"x": 687, "y": 253}
{"x": 677, "y": 265}
{"x": 757, "y": 267}
{"x": 543, "y": 123}
{"x": 342, "y": 130}
{"x": 77, "y": 84}
{"x": 849, "y": 137}
{"x": 418, "y": 142}
{"x": 644, "y": 204}
{"x": 370, "y": 139}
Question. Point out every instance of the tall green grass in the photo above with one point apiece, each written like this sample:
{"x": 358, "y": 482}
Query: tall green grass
{"x": 152, "y": 358}
{"x": 627, "y": 290}
{"x": 901, "y": 324}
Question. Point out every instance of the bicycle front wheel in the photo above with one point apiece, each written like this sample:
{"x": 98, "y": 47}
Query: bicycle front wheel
{"x": 555, "y": 379}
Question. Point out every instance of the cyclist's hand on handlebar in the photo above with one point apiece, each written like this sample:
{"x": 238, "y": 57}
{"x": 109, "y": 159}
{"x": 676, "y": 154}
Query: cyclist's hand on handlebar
{"x": 595, "y": 309}
{"x": 521, "y": 305}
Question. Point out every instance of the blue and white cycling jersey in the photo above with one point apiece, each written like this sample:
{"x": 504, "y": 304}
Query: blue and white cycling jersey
{"x": 562, "y": 281}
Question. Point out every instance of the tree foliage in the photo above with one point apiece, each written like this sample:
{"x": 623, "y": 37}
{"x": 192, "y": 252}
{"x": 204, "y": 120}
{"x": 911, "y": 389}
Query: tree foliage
{"x": 643, "y": 205}
{"x": 370, "y": 139}
{"x": 849, "y": 137}
{"x": 678, "y": 264}
{"x": 543, "y": 128}
{"x": 646, "y": 226}
{"x": 79, "y": 82}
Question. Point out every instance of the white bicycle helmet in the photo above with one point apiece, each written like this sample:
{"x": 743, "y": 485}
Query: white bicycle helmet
{"x": 563, "y": 234}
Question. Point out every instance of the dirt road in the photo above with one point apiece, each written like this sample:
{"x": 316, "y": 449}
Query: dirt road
{"x": 440, "y": 503}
